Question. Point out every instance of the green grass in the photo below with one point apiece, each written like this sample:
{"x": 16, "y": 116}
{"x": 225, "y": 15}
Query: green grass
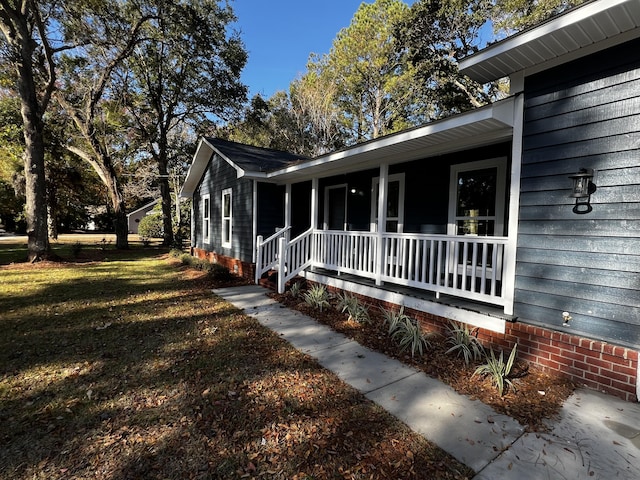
{"x": 128, "y": 367}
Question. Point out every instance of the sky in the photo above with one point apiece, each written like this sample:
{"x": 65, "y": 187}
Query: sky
{"x": 279, "y": 35}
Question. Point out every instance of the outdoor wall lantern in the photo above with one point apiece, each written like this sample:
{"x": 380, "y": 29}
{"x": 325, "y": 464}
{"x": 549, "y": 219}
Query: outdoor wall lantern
{"x": 583, "y": 187}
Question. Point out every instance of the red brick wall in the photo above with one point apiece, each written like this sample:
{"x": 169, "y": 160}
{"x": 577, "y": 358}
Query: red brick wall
{"x": 243, "y": 269}
{"x": 594, "y": 364}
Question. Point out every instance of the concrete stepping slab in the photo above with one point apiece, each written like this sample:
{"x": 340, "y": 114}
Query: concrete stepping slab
{"x": 595, "y": 436}
{"x": 469, "y": 430}
{"x": 362, "y": 368}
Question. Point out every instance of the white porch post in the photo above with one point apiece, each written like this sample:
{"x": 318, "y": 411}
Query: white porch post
{"x": 314, "y": 203}
{"x": 254, "y": 225}
{"x": 314, "y": 220}
{"x": 287, "y": 208}
{"x": 282, "y": 265}
{"x": 382, "y": 221}
{"x": 509, "y": 277}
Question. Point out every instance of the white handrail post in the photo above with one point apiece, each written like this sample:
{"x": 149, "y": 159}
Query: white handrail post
{"x": 259, "y": 253}
{"x": 282, "y": 246}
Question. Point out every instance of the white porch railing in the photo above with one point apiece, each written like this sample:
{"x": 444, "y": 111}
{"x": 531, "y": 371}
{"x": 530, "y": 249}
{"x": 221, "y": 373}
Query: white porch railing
{"x": 465, "y": 266}
{"x": 267, "y": 251}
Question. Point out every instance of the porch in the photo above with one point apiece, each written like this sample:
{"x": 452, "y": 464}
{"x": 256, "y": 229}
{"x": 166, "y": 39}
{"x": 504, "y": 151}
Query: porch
{"x": 447, "y": 269}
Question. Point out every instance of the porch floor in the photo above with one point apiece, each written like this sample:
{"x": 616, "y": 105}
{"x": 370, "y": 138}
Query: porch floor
{"x": 425, "y": 295}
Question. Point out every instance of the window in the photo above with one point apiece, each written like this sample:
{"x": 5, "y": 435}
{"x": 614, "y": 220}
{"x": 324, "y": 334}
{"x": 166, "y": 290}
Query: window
{"x": 227, "y": 214}
{"x": 395, "y": 203}
{"x": 477, "y": 196}
{"x": 206, "y": 216}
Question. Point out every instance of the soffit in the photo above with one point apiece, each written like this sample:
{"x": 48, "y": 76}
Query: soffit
{"x": 577, "y": 32}
{"x": 484, "y": 126}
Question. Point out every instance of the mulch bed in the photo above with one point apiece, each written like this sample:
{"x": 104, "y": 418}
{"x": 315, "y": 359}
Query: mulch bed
{"x": 537, "y": 396}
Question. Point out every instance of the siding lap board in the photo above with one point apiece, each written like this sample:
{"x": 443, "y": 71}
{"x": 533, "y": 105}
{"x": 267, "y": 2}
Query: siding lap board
{"x": 585, "y": 114}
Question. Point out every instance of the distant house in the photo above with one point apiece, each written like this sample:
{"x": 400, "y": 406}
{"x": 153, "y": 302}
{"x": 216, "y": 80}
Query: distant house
{"x": 521, "y": 217}
{"x": 133, "y": 218}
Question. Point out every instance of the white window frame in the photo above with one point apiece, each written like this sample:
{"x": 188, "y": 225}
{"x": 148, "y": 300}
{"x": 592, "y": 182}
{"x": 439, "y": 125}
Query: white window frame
{"x": 226, "y": 233}
{"x": 500, "y": 164}
{"x": 375, "y": 184}
{"x": 206, "y": 218}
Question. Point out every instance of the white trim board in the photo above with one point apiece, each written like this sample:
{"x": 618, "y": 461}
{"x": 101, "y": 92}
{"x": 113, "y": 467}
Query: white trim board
{"x": 475, "y": 319}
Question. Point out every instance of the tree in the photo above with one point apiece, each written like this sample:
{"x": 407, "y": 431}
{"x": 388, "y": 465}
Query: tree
{"x": 435, "y": 34}
{"x": 105, "y": 33}
{"x": 187, "y": 68}
{"x": 26, "y": 49}
{"x": 516, "y": 15}
{"x": 375, "y": 83}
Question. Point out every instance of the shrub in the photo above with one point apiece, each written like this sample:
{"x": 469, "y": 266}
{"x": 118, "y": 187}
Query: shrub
{"x": 76, "y": 248}
{"x": 175, "y": 253}
{"x": 219, "y": 272}
{"x": 393, "y": 318}
{"x": 497, "y": 370}
{"x": 350, "y": 304}
{"x": 296, "y": 289}
{"x": 464, "y": 342}
{"x": 317, "y": 297}
{"x": 186, "y": 259}
{"x": 150, "y": 226}
{"x": 409, "y": 335}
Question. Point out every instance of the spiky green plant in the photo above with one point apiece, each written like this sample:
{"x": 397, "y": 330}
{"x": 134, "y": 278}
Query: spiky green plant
{"x": 356, "y": 310}
{"x": 410, "y": 336}
{"x": 393, "y": 318}
{"x": 317, "y": 297}
{"x": 498, "y": 370}
{"x": 464, "y": 342}
{"x": 296, "y": 290}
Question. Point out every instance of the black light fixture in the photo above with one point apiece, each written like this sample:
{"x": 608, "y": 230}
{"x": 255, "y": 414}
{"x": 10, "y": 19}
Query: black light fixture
{"x": 583, "y": 187}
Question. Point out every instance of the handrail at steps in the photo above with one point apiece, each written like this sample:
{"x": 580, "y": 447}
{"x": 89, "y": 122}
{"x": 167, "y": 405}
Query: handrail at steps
{"x": 267, "y": 251}
{"x": 294, "y": 257}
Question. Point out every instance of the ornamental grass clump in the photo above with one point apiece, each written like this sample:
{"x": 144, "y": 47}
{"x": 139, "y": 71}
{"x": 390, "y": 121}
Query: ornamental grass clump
{"x": 393, "y": 318}
{"x": 317, "y": 297}
{"x": 464, "y": 342}
{"x": 498, "y": 370}
{"x": 356, "y": 310}
{"x": 296, "y": 290}
{"x": 410, "y": 336}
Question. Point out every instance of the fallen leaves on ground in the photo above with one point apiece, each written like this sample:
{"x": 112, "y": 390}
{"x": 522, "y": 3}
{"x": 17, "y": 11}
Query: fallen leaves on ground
{"x": 538, "y": 395}
{"x": 130, "y": 368}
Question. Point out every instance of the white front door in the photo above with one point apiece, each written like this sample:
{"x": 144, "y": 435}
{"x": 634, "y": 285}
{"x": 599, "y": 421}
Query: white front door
{"x": 395, "y": 203}
{"x": 335, "y": 207}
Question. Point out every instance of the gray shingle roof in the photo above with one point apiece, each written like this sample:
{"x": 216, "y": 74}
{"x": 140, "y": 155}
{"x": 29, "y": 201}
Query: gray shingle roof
{"x": 254, "y": 159}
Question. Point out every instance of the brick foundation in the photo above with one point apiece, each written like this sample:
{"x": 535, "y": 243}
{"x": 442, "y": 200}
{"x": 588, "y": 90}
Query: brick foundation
{"x": 240, "y": 268}
{"x": 595, "y": 364}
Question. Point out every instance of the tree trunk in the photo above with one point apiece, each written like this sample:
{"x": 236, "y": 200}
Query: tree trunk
{"x": 120, "y": 223}
{"x": 165, "y": 193}
{"x": 36, "y": 193}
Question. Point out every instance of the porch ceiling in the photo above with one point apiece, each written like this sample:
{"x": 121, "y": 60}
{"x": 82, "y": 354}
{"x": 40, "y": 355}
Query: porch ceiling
{"x": 484, "y": 126}
{"x": 579, "y": 31}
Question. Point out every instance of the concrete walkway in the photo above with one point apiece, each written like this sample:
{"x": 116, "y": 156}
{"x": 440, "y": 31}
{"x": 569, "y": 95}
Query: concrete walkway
{"x": 595, "y": 436}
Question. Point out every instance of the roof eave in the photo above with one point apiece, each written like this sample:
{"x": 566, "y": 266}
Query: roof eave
{"x": 483, "y": 126}
{"x": 579, "y": 31}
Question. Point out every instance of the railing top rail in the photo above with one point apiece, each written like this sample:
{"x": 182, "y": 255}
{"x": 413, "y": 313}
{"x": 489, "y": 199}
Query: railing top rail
{"x": 276, "y": 235}
{"x": 420, "y": 236}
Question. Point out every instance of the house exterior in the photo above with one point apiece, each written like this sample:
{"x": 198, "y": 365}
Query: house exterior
{"x": 479, "y": 217}
{"x": 133, "y": 218}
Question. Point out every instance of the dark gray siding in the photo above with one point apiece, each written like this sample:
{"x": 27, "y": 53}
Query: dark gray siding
{"x": 585, "y": 114}
{"x": 218, "y": 177}
{"x": 270, "y": 208}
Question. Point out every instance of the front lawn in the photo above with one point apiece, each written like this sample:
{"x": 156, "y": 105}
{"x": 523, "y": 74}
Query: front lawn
{"x": 125, "y": 366}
